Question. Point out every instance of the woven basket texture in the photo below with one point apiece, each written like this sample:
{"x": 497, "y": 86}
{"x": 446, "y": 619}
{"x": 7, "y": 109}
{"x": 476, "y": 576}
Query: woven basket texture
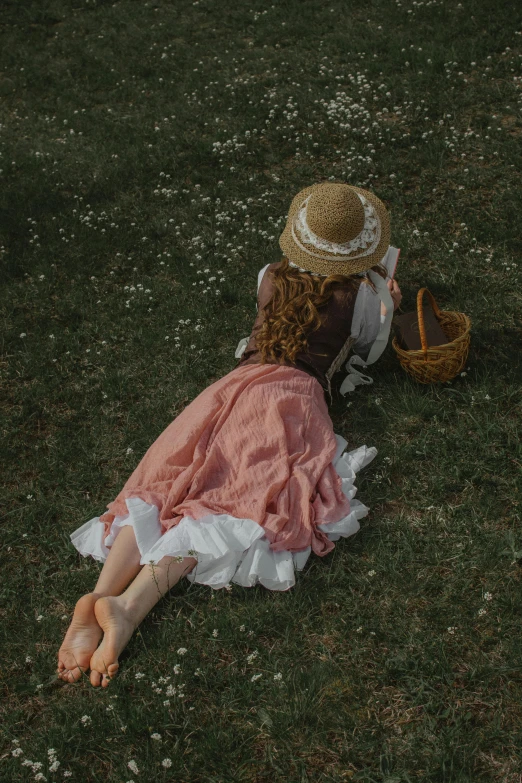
{"x": 437, "y": 363}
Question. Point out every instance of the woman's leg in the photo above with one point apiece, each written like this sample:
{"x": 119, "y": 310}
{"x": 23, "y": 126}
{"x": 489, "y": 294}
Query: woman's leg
{"x": 84, "y": 633}
{"x": 120, "y": 616}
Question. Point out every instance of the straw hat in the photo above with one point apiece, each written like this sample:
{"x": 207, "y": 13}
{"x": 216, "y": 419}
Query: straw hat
{"x": 333, "y": 228}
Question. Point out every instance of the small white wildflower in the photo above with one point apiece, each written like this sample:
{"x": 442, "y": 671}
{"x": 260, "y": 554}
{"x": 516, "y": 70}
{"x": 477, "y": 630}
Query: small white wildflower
{"x": 488, "y": 597}
{"x": 482, "y": 612}
{"x": 452, "y": 629}
{"x": 242, "y": 628}
{"x": 54, "y": 766}
{"x": 67, "y": 773}
{"x": 39, "y": 618}
{"x": 359, "y": 629}
{"x": 16, "y": 752}
{"x": 166, "y": 763}
{"x": 51, "y": 752}
{"x": 255, "y": 677}
{"x": 371, "y": 573}
{"x": 156, "y": 737}
{"x": 252, "y": 655}
{"x": 40, "y": 776}
{"x": 23, "y": 334}
{"x": 86, "y": 720}
{"x": 278, "y": 676}
{"x": 177, "y": 669}
{"x": 215, "y": 631}
{"x": 139, "y": 675}
{"x": 133, "y": 766}
{"x": 198, "y": 672}
{"x": 28, "y": 659}
{"x": 166, "y": 703}
{"x": 182, "y": 651}
{"x": 129, "y": 450}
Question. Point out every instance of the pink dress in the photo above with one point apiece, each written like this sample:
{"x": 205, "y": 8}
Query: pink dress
{"x": 249, "y": 478}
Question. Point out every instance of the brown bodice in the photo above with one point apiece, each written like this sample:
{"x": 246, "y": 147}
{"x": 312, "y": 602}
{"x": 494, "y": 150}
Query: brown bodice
{"x": 328, "y": 346}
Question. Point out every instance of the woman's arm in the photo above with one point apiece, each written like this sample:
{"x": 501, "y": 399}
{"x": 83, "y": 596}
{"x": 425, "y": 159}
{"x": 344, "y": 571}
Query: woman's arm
{"x": 369, "y": 315}
{"x": 396, "y": 295}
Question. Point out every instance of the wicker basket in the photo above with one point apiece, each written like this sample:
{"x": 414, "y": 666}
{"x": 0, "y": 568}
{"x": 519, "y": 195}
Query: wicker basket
{"x": 437, "y": 363}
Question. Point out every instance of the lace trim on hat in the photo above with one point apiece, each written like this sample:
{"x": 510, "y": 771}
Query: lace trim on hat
{"x": 368, "y": 238}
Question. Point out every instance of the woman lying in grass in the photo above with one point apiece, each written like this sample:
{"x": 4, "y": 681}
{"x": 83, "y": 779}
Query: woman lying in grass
{"x": 250, "y": 478}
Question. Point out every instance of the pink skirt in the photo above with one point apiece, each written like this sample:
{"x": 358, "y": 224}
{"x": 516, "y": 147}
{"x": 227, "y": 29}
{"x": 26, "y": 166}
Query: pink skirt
{"x": 249, "y": 479}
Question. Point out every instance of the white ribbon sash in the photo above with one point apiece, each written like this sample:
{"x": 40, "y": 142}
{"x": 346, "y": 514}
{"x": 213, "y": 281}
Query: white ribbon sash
{"x": 354, "y": 377}
{"x": 241, "y": 346}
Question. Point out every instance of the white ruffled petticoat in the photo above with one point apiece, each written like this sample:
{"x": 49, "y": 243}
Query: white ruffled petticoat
{"x": 227, "y": 549}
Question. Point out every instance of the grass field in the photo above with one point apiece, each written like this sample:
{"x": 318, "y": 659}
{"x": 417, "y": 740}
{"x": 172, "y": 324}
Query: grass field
{"x": 149, "y": 154}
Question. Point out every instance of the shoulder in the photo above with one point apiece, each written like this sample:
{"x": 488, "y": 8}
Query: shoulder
{"x": 273, "y": 266}
{"x": 265, "y": 272}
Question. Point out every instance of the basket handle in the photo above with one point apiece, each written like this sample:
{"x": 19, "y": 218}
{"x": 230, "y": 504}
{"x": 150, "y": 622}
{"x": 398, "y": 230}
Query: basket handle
{"x": 420, "y": 316}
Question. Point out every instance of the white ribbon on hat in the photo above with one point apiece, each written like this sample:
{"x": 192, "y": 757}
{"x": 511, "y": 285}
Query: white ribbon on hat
{"x": 354, "y": 377}
{"x": 367, "y": 239}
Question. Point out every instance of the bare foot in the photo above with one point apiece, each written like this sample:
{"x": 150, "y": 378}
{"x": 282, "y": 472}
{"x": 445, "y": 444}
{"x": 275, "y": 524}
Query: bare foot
{"x": 80, "y": 641}
{"x": 118, "y": 628}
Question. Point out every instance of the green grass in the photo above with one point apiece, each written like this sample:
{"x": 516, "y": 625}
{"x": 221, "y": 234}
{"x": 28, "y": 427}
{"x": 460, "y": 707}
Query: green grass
{"x": 113, "y": 192}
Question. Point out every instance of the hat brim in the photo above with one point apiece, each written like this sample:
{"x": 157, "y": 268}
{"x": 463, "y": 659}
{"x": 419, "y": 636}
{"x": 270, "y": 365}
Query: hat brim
{"x": 337, "y": 265}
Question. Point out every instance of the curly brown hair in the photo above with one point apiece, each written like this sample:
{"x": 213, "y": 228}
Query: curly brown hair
{"x": 292, "y": 311}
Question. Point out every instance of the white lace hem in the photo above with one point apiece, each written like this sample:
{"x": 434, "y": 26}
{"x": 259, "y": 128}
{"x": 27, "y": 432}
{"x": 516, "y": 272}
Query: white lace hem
{"x": 227, "y": 549}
